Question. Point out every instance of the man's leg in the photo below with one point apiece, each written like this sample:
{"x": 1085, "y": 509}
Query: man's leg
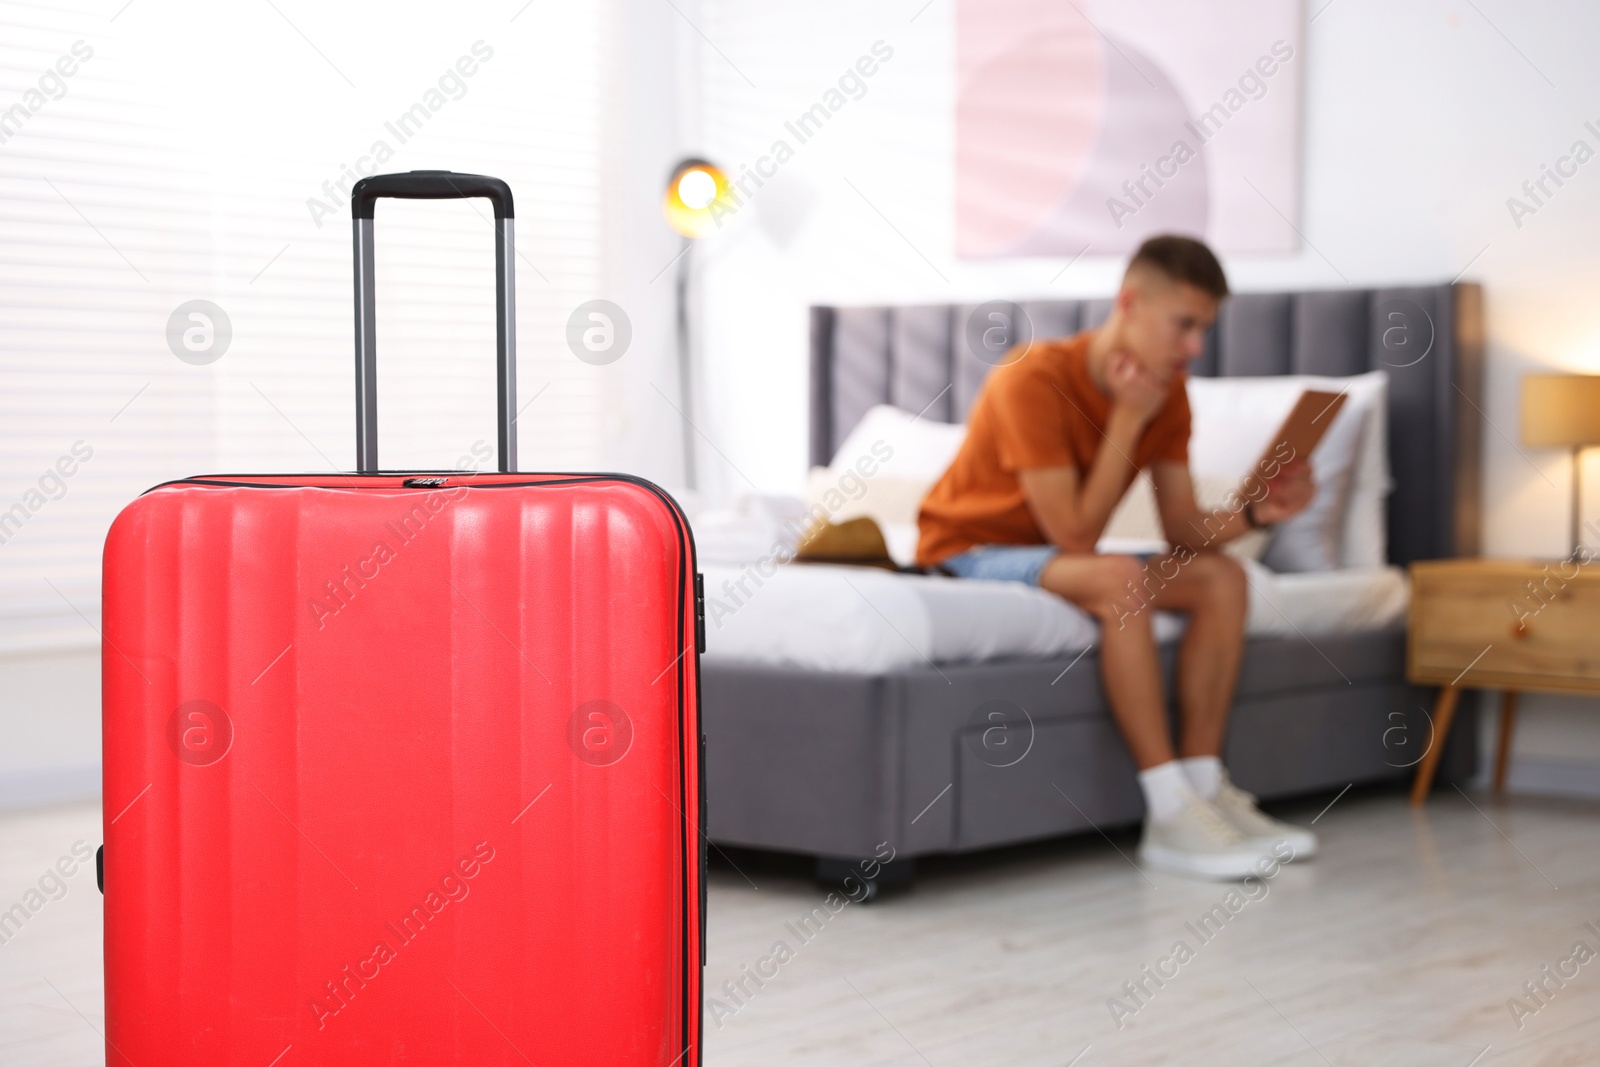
{"x": 1104, "y": 586}
{"x": 1183, "y": 831}
{"x": 1211, "y": 590}
{"x": 1123, "y": 595}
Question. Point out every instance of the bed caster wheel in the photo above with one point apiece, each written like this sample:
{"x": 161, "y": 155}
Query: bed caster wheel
{"x": 864, "y": 881}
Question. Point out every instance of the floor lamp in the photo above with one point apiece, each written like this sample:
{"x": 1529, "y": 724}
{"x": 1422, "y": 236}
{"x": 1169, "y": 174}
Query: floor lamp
{"x": 694, "y": 203}
{"x": 1563, "y": 411}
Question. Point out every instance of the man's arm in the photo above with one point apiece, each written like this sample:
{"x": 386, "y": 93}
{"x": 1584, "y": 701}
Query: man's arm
{"x": 1182, "y": 519}
{"x": 1071, "y": 515}
{"x": 1185, "y": 523}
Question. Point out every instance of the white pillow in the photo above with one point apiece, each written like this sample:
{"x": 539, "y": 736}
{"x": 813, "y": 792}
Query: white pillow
{"x": 1366, "y": 526}
{"x": 1314, "y": 539}
{"x": 1234, "y": 419}
{"x": 898, "y": 444}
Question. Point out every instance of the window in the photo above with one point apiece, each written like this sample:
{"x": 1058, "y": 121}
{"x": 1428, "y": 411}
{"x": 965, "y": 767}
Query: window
{"x": 165, "y": 154}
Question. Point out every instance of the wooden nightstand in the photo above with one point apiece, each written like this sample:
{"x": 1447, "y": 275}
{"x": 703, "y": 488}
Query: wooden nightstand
{"x": 1500, "y": 624}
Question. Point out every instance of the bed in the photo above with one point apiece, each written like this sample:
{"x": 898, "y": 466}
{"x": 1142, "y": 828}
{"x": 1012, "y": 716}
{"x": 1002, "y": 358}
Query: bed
{"x": 860, "y": 728}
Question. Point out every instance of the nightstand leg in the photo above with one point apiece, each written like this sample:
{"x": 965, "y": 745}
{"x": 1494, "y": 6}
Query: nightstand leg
{"x": 1508, "y": 727}
{"x": 1444, "y": 710}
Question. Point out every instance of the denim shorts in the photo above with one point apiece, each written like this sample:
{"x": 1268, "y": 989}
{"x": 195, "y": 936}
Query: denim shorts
{"x": 1002, "y": 563}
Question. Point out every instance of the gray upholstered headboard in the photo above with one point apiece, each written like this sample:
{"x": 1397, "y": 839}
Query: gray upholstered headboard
{"x": 1429, "y": 339}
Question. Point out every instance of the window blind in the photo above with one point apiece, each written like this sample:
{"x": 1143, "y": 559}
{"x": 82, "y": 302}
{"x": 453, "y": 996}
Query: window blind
{"x": 155, "y": 155}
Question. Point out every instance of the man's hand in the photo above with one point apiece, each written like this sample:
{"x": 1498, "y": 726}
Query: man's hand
{"x": 1287, "y": 494}
{"x": 1134, "y": 390}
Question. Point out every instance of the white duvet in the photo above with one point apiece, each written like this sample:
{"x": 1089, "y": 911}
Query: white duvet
{"x": 863, "y": 620}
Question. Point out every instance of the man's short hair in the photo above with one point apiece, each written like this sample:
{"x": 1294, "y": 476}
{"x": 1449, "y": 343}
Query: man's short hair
{"x": 1182, "y": 259}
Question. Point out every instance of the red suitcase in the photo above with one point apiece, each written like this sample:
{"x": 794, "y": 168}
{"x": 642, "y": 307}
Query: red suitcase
{"x": 403, "y": 768}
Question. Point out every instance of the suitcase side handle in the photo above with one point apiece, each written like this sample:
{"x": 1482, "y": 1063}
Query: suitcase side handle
{"x": 433, "y": 185}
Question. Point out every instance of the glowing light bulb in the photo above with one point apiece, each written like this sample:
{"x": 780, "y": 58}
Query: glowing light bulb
{"x": 697, "y": 189}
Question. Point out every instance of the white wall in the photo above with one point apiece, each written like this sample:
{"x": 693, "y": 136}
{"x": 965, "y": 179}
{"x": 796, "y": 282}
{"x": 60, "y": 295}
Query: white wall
{"x": 1421, "y": 120}
{"x": 50, "y": 720}
{"x": 652, "y": 113}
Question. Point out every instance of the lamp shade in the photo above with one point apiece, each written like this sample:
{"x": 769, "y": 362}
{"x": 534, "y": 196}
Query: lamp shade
{"x": 1561, "y": 410}
{"x": 697, "y": 195}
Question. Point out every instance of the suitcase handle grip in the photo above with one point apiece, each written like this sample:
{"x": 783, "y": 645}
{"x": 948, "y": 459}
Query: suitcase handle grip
{"x": 433, "y": 185}
{"x": 429, "y": 185}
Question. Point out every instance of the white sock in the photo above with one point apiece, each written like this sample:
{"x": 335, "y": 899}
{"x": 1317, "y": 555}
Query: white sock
{"x": 1204, "y": 774}
{"x": 1166, "y": 790}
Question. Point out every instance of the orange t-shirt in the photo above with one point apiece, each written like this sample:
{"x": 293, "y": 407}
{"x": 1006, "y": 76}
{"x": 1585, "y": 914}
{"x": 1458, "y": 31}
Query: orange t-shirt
{"x": 1040, "y": 410}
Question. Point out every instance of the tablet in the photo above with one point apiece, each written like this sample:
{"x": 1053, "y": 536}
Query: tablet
{"x": 1301, "y": 430}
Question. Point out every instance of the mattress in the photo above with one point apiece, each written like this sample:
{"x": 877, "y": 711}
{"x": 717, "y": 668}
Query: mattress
{"x": 859, "y": 619}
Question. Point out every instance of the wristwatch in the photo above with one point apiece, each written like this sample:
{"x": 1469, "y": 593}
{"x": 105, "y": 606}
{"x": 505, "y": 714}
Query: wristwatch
{"x": 1250, "y": 516}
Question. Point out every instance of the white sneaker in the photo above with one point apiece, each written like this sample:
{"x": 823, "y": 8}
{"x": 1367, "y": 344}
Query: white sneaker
{"x": 1239, "y": 808}
{"x": 1201, "y": 842}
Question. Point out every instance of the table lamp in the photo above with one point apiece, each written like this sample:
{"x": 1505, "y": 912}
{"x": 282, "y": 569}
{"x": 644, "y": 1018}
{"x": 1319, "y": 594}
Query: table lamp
{"x": 690, "y": 204}
{"x": 1563, "y": 411}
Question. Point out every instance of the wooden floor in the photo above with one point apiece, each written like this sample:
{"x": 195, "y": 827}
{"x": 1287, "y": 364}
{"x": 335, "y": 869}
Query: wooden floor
{"x": 1401, "y": 944}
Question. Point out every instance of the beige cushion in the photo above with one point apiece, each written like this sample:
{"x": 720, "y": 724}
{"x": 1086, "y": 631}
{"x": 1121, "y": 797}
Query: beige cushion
{"x": 889, "y": 501}
{"x": 881, "y": 497}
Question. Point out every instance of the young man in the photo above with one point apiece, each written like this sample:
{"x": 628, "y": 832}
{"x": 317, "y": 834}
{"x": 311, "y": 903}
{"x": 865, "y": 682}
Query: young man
{"x": 1055, "y": 438}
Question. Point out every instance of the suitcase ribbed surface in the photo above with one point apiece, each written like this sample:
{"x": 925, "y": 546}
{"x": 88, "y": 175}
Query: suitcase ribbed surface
{"x": 401, "y": 774}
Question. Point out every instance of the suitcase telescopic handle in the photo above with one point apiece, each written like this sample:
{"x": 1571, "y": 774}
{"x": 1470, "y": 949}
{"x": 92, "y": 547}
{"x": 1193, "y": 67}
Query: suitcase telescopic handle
{"x": 433, "y": 185}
